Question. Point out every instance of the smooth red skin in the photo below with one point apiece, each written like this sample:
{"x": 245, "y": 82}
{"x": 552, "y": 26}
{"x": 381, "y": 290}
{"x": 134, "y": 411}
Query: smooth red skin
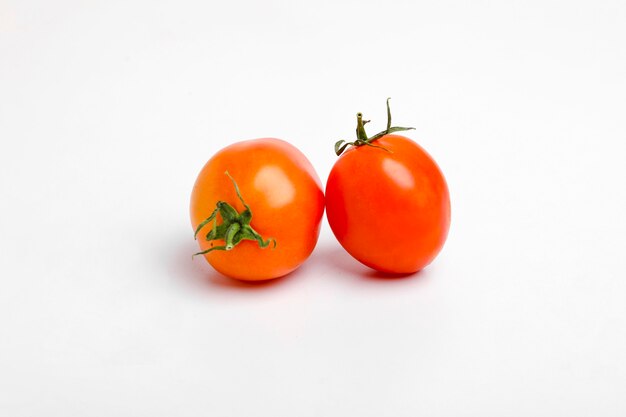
{"x": 294, "y": 223}
{"x": 390, "y": 211}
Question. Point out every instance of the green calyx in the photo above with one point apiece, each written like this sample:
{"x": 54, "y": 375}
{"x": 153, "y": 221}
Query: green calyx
{"x": 234, "y": 228}
{"x": 362, "y": 138}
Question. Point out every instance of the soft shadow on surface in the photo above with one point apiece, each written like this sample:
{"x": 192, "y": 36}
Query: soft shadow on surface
{"x": 341, "y": 260}
{"x": 199, "y": 273}
{"x": 388, "y": 276}
{"x": 175, "y": 256}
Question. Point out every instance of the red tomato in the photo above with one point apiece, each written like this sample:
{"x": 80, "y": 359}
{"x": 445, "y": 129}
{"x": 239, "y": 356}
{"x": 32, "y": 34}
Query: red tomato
{"x": 388, "y": 204}
{"x": 274, "y": 226}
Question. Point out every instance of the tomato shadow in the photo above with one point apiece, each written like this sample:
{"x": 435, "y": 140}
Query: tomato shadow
{"x": 337, "y": 258}
{"x": 196, "y": 272}
{"x": 421, "y": 274}
{"x": 328, "y": 257}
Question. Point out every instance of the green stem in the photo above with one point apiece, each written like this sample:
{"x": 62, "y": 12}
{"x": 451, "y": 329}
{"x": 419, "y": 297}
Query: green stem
{"x": 361, "y": 136}
{"x": 360, "y": 128}
{"x": 235, "y": 226}
{"x": 230, "y": 235}
{"x": 388, "y": 115}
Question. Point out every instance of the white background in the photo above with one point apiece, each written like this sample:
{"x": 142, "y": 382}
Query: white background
{"x": 109, "y": 109}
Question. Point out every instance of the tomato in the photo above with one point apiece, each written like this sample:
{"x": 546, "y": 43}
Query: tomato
{"x": 387, "y": 201}
{"x": 256, "y": 207}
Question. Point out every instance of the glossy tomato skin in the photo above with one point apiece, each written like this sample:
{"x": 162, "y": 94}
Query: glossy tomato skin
{"x": 389, "y": 210}
{"x": 286, "y": 199}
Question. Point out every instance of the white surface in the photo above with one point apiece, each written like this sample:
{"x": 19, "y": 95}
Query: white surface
{"x": 108, "y": 110}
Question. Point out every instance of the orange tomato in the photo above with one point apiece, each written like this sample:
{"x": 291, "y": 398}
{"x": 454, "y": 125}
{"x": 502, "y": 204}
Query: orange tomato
{"x": 388, "y": 204}
{"x": 285, "y": 199}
